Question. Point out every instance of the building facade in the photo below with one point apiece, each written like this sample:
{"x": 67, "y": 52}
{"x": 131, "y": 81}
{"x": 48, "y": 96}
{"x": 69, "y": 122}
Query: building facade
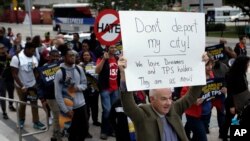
{"x": 50, "y": 2}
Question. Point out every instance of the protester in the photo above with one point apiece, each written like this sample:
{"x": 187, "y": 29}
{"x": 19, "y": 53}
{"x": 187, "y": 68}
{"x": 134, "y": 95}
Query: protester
{"x": 94, "y": 44}
{"x": 71, "y": 83}
{"x": 4, "y": 65}
{"x": 237, "y": 81}
{"x": 8, "y": 78}
{"x": 46, "y": 94}
{"x": 122, "y": 125}
{"x": 10, "y": 35}
{"x": 92, "y": 92}
{"x": 6, "y": 42}
{"x": 23, "y": 66}
{"x": 47, "y": 40}
{"x": 19, "y": 37}
{"x": 85, "y": 47}
{"x": 240, "y": 48}
{"x": 108, "y": 80}
{"x": 198, "y": 113}
{"x": 77, "y": 45}
{"x": 220, "y": 69}
{"x": 161, "y": 114}
{"x": 237, "y": 91}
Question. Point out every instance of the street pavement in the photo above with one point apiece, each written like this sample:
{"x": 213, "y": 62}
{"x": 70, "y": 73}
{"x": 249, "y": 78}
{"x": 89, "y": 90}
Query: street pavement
{"x": 8, "y": 128}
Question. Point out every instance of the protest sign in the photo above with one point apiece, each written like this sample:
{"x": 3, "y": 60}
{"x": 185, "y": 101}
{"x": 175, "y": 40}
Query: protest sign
{"x": 107, "y": 27}
{"x": 212, "y": 89}
{"x": 163, "y": 49}
{"x": 216, "y": 51}
{"x": 47, "y": 72}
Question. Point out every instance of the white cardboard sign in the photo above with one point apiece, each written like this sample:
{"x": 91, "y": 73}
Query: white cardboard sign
{"x": 163, "y": 49}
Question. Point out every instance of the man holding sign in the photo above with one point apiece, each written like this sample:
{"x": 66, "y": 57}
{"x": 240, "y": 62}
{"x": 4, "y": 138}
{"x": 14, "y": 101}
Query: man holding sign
{"x": 160, "y": 120}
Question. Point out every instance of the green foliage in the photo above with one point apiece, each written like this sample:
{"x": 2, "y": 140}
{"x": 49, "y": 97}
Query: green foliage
{"x": 129, "y": 4}
{"x": 243, "y": 4}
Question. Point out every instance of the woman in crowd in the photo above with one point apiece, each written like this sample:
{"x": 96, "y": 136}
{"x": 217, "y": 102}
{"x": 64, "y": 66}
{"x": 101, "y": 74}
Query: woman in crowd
{"x": 237, "y": 90}
{"x": 92, "y": 92}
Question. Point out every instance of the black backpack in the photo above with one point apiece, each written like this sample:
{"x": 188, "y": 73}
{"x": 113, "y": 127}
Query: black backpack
{"x": 64, "y": 73}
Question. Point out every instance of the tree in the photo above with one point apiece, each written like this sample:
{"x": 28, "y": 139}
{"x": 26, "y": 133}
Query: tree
{"x": 244, "y": 5}
{"x": 129, "y": 4}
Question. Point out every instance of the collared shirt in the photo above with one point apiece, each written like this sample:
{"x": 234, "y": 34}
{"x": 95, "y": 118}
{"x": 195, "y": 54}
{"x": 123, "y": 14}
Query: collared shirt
{"x": 168, "y": 132}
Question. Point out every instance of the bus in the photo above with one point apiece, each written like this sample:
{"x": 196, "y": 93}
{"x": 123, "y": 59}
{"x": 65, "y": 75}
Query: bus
{"x": 221, "y": 14}
{"x": 73, "y": 18}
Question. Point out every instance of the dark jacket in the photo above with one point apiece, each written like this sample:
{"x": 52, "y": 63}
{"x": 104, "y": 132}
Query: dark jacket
{"x": 6, "y": 43}
{"x": 237, "y": 91}
{"x": 119, "y": 122}
{"x": 103, "y": 78}
{"x": 240, "y": 51}
{"x": 148, "y": 125}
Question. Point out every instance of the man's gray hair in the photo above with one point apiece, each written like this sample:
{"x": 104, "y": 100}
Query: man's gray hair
{"x": 152, "y": 93}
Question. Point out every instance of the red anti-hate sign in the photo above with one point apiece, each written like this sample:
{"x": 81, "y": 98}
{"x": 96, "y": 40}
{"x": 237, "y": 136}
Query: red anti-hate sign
{"x": 107, "y": 27}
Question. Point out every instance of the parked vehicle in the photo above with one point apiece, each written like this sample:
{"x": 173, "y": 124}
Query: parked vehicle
{"x": 69, "y": 37}
{"x": 239, "y": 17}
{"x": 75, "y": 17}
{"x": 221, "y": 14}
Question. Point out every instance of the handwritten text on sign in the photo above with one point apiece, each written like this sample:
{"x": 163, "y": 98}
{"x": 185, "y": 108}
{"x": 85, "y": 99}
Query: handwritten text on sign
{"x": 163, "y": 49}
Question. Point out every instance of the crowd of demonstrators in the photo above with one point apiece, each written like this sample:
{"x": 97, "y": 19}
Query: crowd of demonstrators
{"x": 87, "y": 69}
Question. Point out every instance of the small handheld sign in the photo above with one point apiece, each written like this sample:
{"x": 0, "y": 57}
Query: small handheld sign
{"x": 107, "y": 27}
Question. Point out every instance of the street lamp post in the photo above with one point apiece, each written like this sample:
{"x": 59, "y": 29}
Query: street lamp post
{"x": 202, "y": 6}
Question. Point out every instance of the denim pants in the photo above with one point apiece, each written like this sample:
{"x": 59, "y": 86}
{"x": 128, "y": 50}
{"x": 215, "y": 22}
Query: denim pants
{"x": 108, "y": 98}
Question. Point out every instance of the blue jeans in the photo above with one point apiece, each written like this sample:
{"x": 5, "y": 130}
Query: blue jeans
{"x": 108, "y": 98}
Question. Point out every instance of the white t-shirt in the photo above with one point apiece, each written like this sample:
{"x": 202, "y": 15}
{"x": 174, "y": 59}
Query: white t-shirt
{"x": 25, "y": 68}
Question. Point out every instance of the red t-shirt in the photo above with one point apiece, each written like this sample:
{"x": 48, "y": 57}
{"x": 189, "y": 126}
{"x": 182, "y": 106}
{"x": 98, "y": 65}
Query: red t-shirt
{"x": 113, "y": 69}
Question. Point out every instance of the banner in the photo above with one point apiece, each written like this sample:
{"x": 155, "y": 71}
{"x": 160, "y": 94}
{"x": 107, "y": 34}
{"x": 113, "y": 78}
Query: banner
{"x": 216, "y": 51}
{"x": 47, "y": 72}
{"x": 163, "y": 49}
{"x": 212, "y": 89}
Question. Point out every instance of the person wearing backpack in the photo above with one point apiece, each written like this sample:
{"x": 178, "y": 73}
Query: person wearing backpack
{"x": 23, "y": 66}
{"x": 70, "y": 82}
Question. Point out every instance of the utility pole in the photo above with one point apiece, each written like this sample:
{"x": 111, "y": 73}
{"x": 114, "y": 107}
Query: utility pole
{"x": 201, "y": 6}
